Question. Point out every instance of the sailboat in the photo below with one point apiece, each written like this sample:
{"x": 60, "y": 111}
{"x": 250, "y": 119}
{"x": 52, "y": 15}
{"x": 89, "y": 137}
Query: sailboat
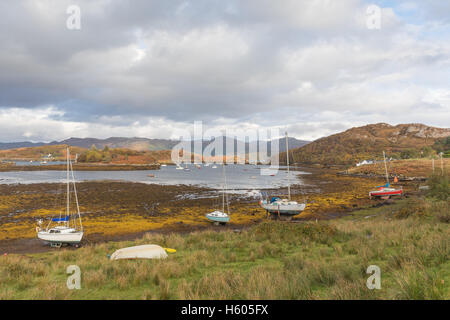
{"x": 385, "y": 192}
{"x": 285, "y": 207}
{"x": 220, "y": 217}
{"x": 69, "y": 229}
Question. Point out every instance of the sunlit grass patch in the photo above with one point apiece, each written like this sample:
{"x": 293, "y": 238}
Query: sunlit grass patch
{"x": 271, "y": 260}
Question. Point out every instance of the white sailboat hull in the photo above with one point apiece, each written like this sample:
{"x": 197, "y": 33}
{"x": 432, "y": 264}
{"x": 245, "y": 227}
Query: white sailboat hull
{"x": 73, "y": 237}
{"x": 218, "y": 216}
{"x": 286, "y": 208}
{"x": 71, "y": 231}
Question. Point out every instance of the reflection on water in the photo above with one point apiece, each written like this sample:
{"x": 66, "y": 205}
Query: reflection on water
{"x": 241, "y": 177}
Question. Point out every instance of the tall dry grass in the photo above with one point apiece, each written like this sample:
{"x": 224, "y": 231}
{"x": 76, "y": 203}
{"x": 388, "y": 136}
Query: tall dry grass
{"x": 273, "y": 260}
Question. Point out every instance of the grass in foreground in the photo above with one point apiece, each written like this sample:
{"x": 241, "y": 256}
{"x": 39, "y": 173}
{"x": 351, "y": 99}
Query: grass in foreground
{"x": 409, "y": 241}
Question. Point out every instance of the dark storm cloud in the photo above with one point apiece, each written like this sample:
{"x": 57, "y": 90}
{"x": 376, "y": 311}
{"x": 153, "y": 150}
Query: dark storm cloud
{"x": 216, "y": 61}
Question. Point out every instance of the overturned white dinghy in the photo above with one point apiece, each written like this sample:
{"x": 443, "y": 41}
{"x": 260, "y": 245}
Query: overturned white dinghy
{"x": 148, "y": 251}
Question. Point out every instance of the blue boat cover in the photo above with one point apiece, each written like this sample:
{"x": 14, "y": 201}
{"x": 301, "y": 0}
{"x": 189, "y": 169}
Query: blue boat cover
{"x": 274, "y": 199}
{"x": 385, "y": 186}
{"x": 66, "y": 218}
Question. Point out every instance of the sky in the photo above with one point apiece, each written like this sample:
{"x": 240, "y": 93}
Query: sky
{"x": 151, "y": 68}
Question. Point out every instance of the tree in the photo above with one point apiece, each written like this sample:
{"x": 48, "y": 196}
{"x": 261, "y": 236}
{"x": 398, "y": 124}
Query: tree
{"x": 93, "y": 156}
{"x": 428, "y": 152}
{"x": 82, "y": 157}
{"x": 442, "y": 145}
{"x": 409, "y": 154}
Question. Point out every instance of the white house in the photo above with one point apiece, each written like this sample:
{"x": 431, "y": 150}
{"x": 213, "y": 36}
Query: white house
{"x": 364, "y": 162}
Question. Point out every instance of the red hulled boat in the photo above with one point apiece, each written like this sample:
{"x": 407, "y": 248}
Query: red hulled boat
{"x": 386, "y": 191}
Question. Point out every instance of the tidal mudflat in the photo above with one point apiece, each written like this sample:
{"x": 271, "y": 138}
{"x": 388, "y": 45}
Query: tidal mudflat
{"x": 114, "y": 210}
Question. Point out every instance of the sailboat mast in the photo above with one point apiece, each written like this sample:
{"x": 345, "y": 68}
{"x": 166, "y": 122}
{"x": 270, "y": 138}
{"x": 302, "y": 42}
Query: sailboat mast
{"x": 223, "y": 188}
{"x": 287, "y": 157}
{"x": 226, "y": 187}
{"x": 76, "y": 198}
{"x": 68, "y": 186}
{"x": 385, "y": 167}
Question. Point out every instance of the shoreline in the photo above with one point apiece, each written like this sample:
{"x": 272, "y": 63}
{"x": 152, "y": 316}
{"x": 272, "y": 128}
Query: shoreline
{"x": 126, "y": 210}
{"x": 81, "y": 167}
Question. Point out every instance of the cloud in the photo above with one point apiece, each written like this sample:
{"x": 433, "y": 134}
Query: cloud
{"x": 146, "y": 68}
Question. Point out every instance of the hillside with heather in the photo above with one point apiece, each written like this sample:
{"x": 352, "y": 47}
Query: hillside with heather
{"x": 124, "y": 156}
{"x": 50, "y": 152}
{"x": 138, "y": 144}
{"x": 84, "y": 155}
{"x": 402, "y": 141}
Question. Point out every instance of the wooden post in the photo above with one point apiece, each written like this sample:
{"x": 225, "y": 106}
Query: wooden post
{"x": 442, "y": 164}
{"x": 432, "y": 163}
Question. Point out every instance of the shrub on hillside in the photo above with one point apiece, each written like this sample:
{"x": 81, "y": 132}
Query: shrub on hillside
{"x": 439, "y": 187}
{"x": 442, "y": 145}
{"x": 410, "y": 154}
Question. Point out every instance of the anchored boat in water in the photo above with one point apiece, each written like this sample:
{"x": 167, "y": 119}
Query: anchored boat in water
{"x": 283, "y": 207}
{"x": 69, "y": 229}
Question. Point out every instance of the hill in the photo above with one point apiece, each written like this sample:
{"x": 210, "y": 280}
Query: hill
{"x": 368, "y": 142}
{"x": 123, "y": 156}
{"x": 92, "y": 155}
{"x": 138, "y": 144}
{"x": 20, "y": 144}
{"x": 57, "y": 152}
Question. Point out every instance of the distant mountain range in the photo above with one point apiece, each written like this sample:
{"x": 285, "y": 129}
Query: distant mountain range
{"x": 139, "y": 144}
{"x": 348, "y": 147}
{"x": 368, "y": 142}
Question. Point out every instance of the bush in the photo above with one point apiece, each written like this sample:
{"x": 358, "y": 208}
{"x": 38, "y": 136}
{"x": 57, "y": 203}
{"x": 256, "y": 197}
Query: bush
{"x": 409, "y": 154}
{"x": 442, "y": 145}
{"x": 439, "y": 187}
